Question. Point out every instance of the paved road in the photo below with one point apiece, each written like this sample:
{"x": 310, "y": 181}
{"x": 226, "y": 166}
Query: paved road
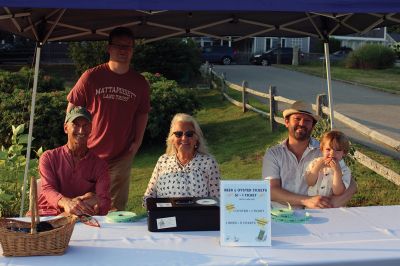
{"x": 378, "y": 110}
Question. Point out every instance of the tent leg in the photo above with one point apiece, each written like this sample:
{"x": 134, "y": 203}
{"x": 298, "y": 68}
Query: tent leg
{"x": 329, "y": 82}
{"x": 32, "y": 115}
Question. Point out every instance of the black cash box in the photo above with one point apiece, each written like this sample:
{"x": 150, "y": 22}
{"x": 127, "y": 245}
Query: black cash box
{"x": 182, "y": 214}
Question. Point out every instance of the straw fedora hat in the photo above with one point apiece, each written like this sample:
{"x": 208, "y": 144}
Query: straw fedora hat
{"x": 300, "y": 107}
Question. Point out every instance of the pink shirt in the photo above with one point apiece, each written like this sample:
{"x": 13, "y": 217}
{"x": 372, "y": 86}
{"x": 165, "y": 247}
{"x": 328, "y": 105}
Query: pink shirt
{"x": 113, "y": 100}
{"x": 60, "y": 177}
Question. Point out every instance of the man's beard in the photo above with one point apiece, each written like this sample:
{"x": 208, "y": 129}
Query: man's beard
{"x": 302, "y": 135}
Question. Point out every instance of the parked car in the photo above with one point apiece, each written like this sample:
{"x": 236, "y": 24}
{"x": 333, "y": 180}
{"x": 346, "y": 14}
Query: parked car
{"x": 219, "y": 54}
{"x": 338, "y": 55}
{"x": 271, "y": 56}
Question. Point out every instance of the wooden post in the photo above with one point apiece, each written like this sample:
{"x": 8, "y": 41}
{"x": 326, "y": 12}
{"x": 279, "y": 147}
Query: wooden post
{"x": 210, "y": 77}
{"x": 322, "y": 100}
{"x": 223, "y": 89}
{"x": 272, "y": 108}
{"x": 244, "y": 95}
{"x": 279, "y": 52}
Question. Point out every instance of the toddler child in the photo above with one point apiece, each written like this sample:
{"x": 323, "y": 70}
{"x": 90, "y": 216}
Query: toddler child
{"x": 328, "y": 175}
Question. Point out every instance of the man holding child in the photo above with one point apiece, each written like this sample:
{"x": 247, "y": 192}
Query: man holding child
{"x": 285, "y": 164}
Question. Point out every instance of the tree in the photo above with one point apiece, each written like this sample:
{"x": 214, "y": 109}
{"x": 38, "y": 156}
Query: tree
{"x": 86, "y": 55}
{"x": 176, "y": 59}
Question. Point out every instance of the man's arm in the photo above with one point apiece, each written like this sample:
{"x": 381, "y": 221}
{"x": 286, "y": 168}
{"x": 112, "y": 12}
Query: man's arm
{"x": 283, "y": 196}
{"x": 141, "y": 122}
{"x": 51, "y": 187}
{"x": 341, "y": 200}
{"x": 103, "y": 180}
{"x": 49, "y": 183}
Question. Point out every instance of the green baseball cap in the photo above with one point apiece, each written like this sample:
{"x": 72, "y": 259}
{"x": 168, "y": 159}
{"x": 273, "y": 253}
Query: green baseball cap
{"x": 76, "y": 112}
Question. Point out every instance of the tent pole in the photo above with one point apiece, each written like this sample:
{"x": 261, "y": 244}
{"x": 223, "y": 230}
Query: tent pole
{"x": 329, "y": 82}
{"x": 32, "y": 114}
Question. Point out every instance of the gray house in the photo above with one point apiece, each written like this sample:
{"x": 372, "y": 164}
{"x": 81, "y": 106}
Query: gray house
{"x": 262, "y": 44}
{"x": 376, "y": 36}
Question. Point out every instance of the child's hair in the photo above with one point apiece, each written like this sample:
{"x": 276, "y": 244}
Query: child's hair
{"x": 336, "y": 139}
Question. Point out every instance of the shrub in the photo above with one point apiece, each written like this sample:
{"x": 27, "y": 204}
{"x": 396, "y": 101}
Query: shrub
{"x": 49, "y": 116}
{"x": 23, "y": 80}
{"x": 167, "y": 99}
{"x": 176, "y": 59}
{"x": 86, "y": 55}
{"x": 152, "y": 78}
{"x": 396, "y": 48}
{"x": 371, "y": 56}
{"x": 12, "y": 167}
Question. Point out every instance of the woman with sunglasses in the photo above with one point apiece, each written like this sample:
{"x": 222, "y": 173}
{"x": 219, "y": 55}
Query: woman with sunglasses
{"x": 186, "y": 169}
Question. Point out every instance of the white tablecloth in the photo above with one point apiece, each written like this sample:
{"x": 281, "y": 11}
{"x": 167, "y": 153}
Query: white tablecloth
{"x": 343, "y": 236}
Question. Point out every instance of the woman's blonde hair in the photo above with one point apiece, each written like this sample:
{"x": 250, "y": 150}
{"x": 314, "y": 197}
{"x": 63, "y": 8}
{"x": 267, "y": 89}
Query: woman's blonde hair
{"x": 335, "y": 139}
{"x": 201, "y": 145}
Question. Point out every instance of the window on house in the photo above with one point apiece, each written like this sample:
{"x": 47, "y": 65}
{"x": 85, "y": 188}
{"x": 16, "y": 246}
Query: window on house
{"x": 268, "y": 44}
{"x": 283, "y": 42}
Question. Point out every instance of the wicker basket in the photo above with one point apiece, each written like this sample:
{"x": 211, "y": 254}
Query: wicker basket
{"x": 53, "y": 242}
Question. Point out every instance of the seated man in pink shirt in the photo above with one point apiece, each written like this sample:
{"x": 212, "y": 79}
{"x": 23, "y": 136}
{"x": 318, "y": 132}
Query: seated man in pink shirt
{"x": 73, "y": 179}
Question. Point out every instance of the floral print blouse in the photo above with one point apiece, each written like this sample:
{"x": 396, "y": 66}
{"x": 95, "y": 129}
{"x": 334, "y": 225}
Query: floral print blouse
{"x": 198, "y": 178}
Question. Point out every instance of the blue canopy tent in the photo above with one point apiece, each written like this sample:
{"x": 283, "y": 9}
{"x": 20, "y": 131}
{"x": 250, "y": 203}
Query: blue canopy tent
{"x": 75, "y": 20}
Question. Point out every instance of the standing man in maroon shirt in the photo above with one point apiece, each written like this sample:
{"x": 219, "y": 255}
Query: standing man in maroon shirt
{"x": 118, "y": 99}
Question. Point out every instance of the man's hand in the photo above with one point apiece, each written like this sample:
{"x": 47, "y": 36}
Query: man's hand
{"x": 85, "y": 204}
{"x": 89, "y": 198}
{"x": 317, "y": 202}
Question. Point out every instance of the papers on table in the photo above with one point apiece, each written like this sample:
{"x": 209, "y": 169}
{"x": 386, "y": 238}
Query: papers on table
{"x": 245, "y": 213}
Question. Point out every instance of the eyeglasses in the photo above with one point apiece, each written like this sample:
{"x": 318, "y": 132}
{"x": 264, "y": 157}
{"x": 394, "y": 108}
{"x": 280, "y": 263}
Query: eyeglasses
{"x": 122, "y": 47}
{"x": 188, "y": 133}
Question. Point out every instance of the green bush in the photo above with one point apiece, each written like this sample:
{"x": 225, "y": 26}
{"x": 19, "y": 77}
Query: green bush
{"x": 167, "y": 99}
{"x": 176, "y": 59}
{"x": 12, "y": 167}
{"x": 371, "y": 56}
{"x": 152, "y": 78}
{"x": 49, "y": 116}
{"x": 86, "y": 55}
{"x": 23, "y": 80}
{"x": 396, "y": 48}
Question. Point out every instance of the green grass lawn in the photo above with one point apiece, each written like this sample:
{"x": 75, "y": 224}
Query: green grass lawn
{"x": 382, "y": 79}
{"x": 238, "y": 141}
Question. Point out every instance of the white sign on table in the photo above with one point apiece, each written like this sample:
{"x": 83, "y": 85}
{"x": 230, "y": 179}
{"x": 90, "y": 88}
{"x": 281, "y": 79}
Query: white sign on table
{"x": 245, "y": 213}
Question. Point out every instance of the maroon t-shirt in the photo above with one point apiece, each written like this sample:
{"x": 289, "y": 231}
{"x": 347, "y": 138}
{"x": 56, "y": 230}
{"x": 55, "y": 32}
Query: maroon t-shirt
{"x": 61, "y": 177}
{"x": 113, "y": 100}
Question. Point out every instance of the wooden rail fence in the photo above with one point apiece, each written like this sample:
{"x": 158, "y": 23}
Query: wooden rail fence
{"x": 320, "y": 108}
